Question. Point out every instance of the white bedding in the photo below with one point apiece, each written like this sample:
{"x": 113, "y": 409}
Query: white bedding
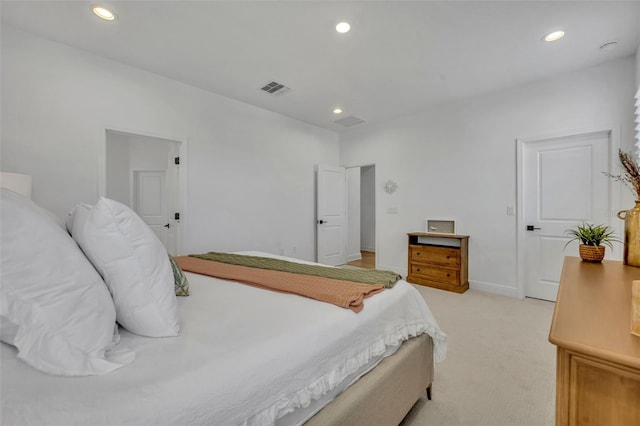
{"x": 246, "y": 356}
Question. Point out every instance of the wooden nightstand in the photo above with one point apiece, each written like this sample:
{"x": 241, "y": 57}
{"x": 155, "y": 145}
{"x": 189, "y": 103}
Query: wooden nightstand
{"x": 439, "y": 260}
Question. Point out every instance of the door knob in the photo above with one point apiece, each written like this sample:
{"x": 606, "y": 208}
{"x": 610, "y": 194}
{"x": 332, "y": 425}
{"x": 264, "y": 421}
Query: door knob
{"x": 322, "y": 221}
{"x": 167, "y": 225}
{"x": 531, "y": 228}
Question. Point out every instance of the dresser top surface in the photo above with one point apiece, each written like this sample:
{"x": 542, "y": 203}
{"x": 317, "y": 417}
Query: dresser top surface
{"x": 435, "y": 235}
{"x": 593, "y": 311}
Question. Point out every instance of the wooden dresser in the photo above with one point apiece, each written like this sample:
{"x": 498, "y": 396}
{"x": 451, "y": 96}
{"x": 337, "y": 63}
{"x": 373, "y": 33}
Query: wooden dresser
{"x": 439, "y": 260}
{"x": 598, "y": 359}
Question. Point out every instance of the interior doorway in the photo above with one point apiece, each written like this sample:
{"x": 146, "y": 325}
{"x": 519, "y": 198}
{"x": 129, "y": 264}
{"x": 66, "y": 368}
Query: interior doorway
{"x": 367, "y": 260}
{"x": 149, "y": 201}
{"x": 143, "y": 172}
{"x": 361, "y": 216}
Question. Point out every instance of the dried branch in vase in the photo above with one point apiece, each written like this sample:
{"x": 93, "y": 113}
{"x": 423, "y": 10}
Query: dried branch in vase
{"x": 631, "y": 175}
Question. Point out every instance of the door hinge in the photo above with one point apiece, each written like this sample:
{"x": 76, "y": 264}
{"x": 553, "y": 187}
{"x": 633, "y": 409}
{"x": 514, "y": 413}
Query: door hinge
{"x": 176, "y": 160}
{"x": 176, "y": 216}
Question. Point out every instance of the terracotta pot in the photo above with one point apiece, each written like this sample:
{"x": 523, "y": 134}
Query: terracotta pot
{"x": 591, "y": 253}
{"x": 631, "y": 235}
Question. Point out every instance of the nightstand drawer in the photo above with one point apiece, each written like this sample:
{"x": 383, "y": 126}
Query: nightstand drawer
{"x": 440, "y": 255}
{"x": 436, "y": 274}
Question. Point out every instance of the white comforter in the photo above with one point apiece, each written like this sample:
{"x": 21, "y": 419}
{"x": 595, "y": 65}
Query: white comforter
{"x": 245, "y": 357}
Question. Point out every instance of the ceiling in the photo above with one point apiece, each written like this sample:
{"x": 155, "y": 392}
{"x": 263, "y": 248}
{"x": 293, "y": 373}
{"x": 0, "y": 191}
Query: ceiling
{"x": 399, "y": 57}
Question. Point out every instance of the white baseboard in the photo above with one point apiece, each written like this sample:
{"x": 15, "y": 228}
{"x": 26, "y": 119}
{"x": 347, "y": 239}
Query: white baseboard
{"x": 354, "y": 256}
{"x": 371, "y": 249}
{"x": 494, "y": 288}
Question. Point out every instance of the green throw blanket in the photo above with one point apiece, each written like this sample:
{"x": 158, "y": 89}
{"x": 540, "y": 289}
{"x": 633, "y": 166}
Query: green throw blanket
{"x": 366, "y": 276}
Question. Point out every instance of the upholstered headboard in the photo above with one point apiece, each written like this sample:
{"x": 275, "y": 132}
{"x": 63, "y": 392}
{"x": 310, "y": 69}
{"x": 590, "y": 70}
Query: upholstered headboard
{"x": 16, "y": 182}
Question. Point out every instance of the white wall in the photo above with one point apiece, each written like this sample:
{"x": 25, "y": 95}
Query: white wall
{"x": 638, "y": 90}
{"x": 148, "y": 153}
{"x": 368, "y": 208}
{"x": 638, "y": 67}
{"x": 250, "y": 171}
{"x": 117, "y": 172}
{"x": 458, "y": 161}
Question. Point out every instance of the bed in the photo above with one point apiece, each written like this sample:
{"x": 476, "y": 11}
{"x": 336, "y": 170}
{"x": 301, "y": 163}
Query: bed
{"x": 248, "y": 356}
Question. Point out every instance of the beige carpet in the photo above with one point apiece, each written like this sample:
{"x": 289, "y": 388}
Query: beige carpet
{"x": 500, "y": 367}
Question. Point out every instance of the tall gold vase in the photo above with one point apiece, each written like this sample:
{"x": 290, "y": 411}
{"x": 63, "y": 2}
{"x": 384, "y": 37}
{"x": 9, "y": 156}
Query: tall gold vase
{"x": 631, "y": 235}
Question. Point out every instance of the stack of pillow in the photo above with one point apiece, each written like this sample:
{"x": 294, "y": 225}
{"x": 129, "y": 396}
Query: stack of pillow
{"x": 61, "y": 295}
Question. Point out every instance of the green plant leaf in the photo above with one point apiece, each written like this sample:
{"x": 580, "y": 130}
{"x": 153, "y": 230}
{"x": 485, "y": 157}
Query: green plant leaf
{"x": 592, "y": 235}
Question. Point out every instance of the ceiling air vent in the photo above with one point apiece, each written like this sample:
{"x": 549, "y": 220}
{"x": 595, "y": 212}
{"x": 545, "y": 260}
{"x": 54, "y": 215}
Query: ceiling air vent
{"x": 275, "y": 88}
{"x": 350, "y": 121}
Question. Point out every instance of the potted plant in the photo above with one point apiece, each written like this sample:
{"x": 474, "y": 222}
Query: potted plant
{"x": 593, "y": 239}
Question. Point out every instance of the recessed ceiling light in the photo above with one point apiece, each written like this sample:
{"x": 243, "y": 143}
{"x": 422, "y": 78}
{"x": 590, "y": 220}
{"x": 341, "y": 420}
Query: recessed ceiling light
{"x": 337, "y": 110}
{"x": 104, "y": 13}
{"x": 343, "y": 27}
{"x": 553, "y": 36}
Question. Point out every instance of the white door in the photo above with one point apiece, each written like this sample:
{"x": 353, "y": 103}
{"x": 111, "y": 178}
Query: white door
{"x": 331, "y": 215}
{"x": 563, "y": 185}
{"x": 149, "y": 201}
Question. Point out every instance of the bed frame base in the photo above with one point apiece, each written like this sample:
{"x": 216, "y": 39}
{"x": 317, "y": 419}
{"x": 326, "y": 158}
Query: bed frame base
{"x": 385, "y": 395}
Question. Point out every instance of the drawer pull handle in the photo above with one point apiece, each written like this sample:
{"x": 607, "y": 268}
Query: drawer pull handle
{"x": 418, "y": 270}
{"x": 417, "y": 253}
{"x": 448, "y": 257}
{"x": 448, "y": 275}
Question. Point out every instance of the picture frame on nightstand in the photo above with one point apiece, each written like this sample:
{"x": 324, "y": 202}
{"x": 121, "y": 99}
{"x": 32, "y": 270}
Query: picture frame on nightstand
{"x": 440, "y": 226}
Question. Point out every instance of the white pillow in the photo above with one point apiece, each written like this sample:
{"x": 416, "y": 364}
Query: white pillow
{"x": 134, "y": 265}
{"x": 55, "y": 308}
{"x": 71, "y": 215}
